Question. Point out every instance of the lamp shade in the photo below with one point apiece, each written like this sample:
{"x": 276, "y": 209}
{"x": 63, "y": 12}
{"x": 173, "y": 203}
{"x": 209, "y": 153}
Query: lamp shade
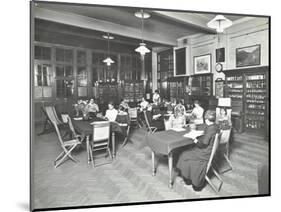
{"x": 219, "y": 23}
{"x": 142, "y": 49}
{"x": 224, "y": 102}
{"x": 108, "y": 61}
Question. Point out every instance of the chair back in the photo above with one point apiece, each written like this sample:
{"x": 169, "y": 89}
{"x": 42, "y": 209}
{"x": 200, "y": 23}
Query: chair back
{"x": 168, "y": 124}
{"x": 225, "y": 136}
{"x": 101, "y": 131}
{"x": 52, "y": 114}
{"x": 146, "y": 119}
{"x": 133, "y": 113}
{"x": 69, "y": 121}
{"x": 214, "y": 149}
{"x": 58, "y": 133}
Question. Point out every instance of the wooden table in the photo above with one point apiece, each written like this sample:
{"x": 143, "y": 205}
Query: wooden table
{"x": 85, "y": 128}
{"x": 165, "y": 142}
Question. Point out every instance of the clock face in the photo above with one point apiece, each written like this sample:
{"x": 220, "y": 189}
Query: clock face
{"x": 219, "y": 67}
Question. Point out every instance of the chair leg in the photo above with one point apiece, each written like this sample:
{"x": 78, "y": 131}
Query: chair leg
{"x": 91, "y": 155}
{"x": 228, "y": 161}
{"x": 109, "y": 152}
{"x": 125, "y": 141}
{"x": 218, "y": 176}
{"x": 59, "y": 156}
{"x": 211, "y": 184}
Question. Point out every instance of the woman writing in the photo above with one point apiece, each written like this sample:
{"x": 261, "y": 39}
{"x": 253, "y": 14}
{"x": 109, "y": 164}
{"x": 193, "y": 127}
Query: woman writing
{"x": 192, "y": 163}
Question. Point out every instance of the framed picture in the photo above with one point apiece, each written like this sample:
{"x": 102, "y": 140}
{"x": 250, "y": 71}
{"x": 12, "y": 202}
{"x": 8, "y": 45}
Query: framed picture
{"x": 180, "y": 62}
{"x": 248, "y": 56}
{"x": 202, "y": 64}
{"x": 220, "y": 55}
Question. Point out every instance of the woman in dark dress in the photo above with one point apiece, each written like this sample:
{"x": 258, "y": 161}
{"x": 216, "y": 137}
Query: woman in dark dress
{"x": 192, "y": 162}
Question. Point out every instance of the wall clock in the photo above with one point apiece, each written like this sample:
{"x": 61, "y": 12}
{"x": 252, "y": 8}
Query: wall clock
{"x": 219, "y": 67}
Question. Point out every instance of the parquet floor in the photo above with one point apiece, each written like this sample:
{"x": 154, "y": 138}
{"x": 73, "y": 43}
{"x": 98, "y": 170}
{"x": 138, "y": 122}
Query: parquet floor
{"x": 128, "y": 178}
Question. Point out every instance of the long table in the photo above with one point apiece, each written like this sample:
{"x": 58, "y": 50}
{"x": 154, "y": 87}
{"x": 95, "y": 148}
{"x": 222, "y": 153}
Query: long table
{"x": 85, "y": 128}
{"x": 164, "y": 142}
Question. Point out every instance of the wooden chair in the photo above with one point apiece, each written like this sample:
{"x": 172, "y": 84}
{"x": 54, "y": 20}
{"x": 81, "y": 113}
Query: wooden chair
{"x": 51, "y": 116}
{"x": 211, "y": 168}
{"x": 133, "y": 114}
{"x": 168, "y": 124}
{"x": 224, "y": 144}
{"x": 100, "y": 140}
{"x": 67, "y": 146}
{"x": 124, "y": 121}
{"x": 73, "y": 132}
{"x": 147, "y": 122}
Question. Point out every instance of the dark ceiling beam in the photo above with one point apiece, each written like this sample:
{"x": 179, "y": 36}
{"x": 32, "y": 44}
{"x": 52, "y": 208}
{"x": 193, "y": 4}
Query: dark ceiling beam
{"x": 188, "y": 19}
{"x": 100, "y": 25}
{"x": 94, "y": 35}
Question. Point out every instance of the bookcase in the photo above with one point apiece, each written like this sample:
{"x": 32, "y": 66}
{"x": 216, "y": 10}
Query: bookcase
{"x": 248, "y": 89}
{"x": 133, "y": 90}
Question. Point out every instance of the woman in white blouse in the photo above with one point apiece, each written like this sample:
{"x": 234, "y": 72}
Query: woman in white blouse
{"x": 111, "y": 112}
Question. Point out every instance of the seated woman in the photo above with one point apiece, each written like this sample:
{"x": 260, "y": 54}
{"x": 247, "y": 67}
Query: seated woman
{"x": 123, "y": 120}
{"x": 178, "y": 120}
{"x": 143, "y": 104}
{"x": 111, "y": 112}
{"x": 153, "y": 119}
{"x": 179, "y": 109}
{"x": 193, "y": 161}
{"x": 92, "y": 107}
{"x": 223, "y": 120}
{"x": 156, "y": 97}
{"x": 124, "y": 105}
{"x": 79, "y": 107}
{"x": 197, "y": 113}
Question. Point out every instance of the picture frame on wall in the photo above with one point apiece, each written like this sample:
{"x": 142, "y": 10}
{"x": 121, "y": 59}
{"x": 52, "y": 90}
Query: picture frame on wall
{"x": 248, "y": 56}
{"x": 220, "y": 55}
{"x": 202, "y": 64}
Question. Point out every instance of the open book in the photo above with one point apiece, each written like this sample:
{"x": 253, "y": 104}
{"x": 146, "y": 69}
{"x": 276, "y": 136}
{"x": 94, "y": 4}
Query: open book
{"x": 194, "y": 134}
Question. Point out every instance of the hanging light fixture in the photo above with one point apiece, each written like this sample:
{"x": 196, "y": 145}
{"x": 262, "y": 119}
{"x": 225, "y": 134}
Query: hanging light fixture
{"x": 142, "y": 49}
{"x": 108, "y": 60}
{"x": 219, "y": 23}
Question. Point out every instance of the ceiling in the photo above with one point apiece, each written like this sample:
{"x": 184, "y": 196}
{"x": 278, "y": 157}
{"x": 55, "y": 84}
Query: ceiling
{"x": 170, "y": 24}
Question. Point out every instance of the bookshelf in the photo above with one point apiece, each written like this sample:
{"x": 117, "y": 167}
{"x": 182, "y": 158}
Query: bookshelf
{"x": 248, "y": 88}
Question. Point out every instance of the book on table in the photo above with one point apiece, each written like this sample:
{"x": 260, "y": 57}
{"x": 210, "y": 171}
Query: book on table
{"x": 194, "y": 134}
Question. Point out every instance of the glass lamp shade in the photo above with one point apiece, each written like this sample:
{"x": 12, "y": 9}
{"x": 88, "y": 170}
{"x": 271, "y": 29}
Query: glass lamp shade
{"x": 142, "y": 49}
{"x": 219, "y": 23}
{"x": 108, "y": 61}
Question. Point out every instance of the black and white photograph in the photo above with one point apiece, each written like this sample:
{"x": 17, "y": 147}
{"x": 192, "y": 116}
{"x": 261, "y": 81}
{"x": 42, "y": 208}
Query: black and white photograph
{"x": 113, "y": 123}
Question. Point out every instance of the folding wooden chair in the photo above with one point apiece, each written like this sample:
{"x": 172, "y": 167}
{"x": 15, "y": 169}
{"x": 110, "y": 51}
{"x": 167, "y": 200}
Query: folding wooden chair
{"x": 224, "y": 144}
{"x": 133, "y": 114}
{"x": 211, "y": 168}
{"x": 149, "y": 127}
{"x": 67, "y": 146}
{"x": 51, "y": 116}
{"x": 100, "y": 140}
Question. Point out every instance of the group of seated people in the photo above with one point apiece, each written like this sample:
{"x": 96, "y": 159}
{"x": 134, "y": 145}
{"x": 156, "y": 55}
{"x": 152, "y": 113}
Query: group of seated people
{"x": 192, "y": 162}
{"x": 178, "y": 115}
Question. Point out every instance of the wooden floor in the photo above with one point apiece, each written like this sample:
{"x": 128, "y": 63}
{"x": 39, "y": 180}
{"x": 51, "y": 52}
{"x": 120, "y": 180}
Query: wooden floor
{"x": 129, "y": 179}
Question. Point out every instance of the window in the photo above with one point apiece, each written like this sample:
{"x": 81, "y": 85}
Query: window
{"x": 42, "y": 81}
{"x": 42, "y": 53}
{"x": 81, "y": 58}
{"x": 82, "y": 76}
{"x": 64, "y": 73}
{"x": 65, "y": 88}
{"x": 64, "y": 55}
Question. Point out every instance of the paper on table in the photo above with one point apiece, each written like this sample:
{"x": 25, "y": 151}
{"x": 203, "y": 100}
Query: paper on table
{"x": 179, "y": 129}
{"x": 194, "y": 134}
{"x": 78, "y": 118}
